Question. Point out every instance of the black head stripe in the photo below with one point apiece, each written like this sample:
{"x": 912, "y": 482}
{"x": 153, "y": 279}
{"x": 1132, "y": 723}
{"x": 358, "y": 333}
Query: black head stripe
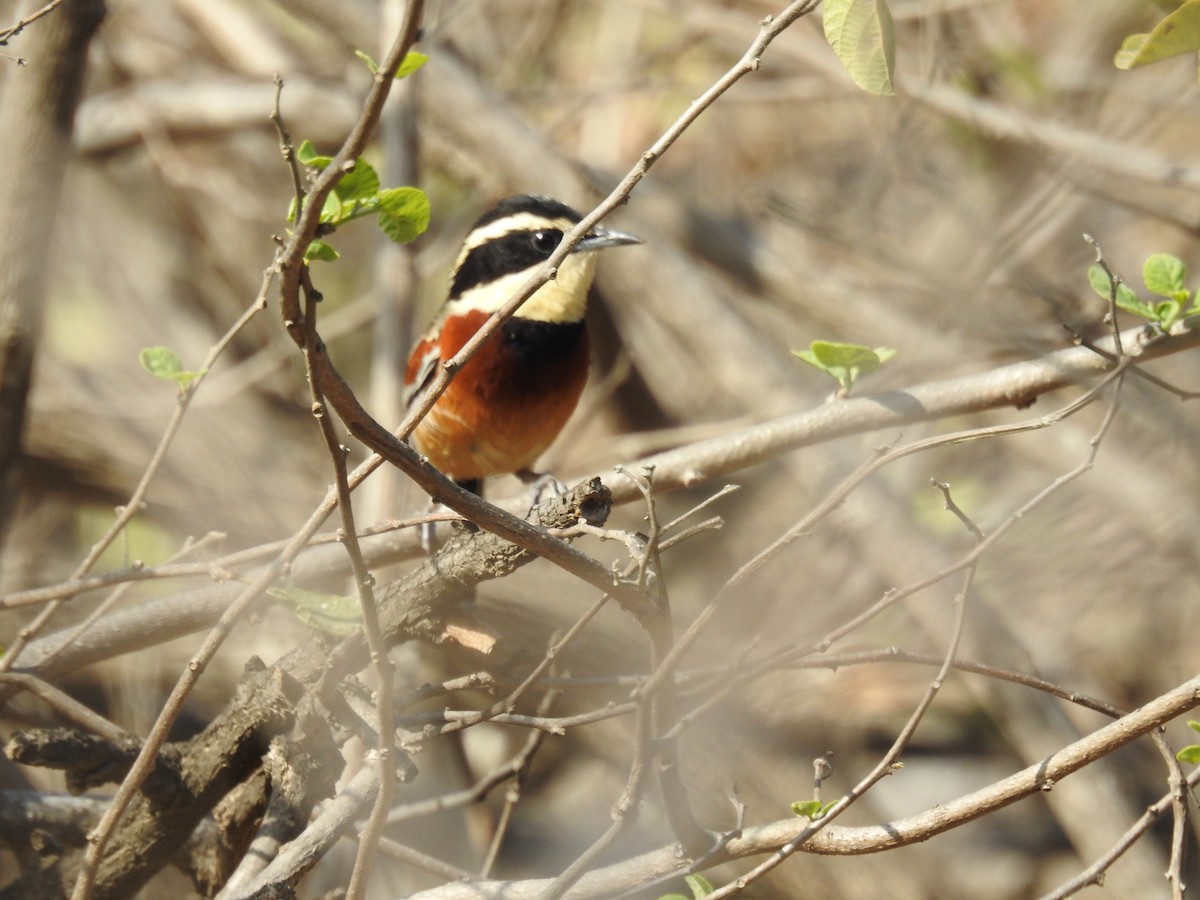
{"x": 504, "y": 255}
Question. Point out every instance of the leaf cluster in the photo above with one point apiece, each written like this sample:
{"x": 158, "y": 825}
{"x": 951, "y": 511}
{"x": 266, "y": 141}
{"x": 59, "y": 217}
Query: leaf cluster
{"x": 403, "y": 212}
{"x": 844, "y": 362}
{"x": 1165, "y": 277}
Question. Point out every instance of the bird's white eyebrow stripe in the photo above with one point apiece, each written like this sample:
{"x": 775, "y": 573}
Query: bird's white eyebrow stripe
{"x": 508, "y": 225}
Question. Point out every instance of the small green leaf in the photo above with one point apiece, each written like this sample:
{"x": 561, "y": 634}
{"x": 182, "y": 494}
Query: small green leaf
{"x": 1164, "y": 275}
{"x": 1189, "y": 754}
{"x": 809, "y": 357}
{"x": 161, "y": 362}
{"x": 808, "y": 809}
{"x": 844, "y": 362}
{"x": 331, "y": 613}
{"x": 1178, "y": 33}
{"x": 812, "y": 809}
{"x": 360, "y": 183}
{"x": 1132, "y": 303}
{"x": 863, "y": 37}
{"x": 1099, "y": 281}
{"x": 1126, "y": 298}
{"x": 331, "y": 209}
{"x": 403, "y": 213}
{"x": 701, "y": 886}
{"x": 1193, "y": 724}
{"x": 320, "y": 250}
{"x": 307, "y": 155}
{"x": 848, "y": 356}
{"x": 1167, "y": 313}
{"x": 367, "y": 61}
{"x": 411, "y": 62}
{"x": 164, "y": 363}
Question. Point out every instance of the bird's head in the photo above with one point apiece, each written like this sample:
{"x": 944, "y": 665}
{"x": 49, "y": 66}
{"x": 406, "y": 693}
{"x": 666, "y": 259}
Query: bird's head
{"x": 507, "y": 245}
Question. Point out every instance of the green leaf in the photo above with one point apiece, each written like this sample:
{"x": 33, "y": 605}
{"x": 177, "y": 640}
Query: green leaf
{"x": 1126, "y": 298}
{"x": 359, "y": 183}
{"x": 812, "y": 809}
{"x": 1178, "y": 33}
{"x": 862, "y": 35}
{"x": 848, "y": 356}
{"x": 1099, "y": 281}
{"x": 701, "y": 886}
{"x": 1167, "y": 313}
{"x": 411, "y": 62}
{"x": 321, "y": 251}
{"x": 1189, "y": 754}
{"x": 331, "y": 613}
{"x": 403, "y": 213}
{"x": 307, "y": 155}
{"x": 1193, "y": 724}
{"x": 674, "y": 897}
{"x": 161, "y": 362}
{"x": 332, "y": 210}
{"x": 164, "y": 363}
{"x": 844, "y": 362}
{"x": 1164, "y": 275}
{"x": 370, "y": 63}
{"x": 808, "y": 809}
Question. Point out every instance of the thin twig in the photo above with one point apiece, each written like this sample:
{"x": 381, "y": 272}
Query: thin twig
{"x": 1114, "y": 283}
{"x": 889, "y": 760}
{"x": 512, "y": 796}
{"x": 364, "y": 582}
{"x": 663, "y": 863}
{"x": 115, "y": 596}
{"x": 838, "y": 495}
{"x": 624, "y": 811}
{"x": 1094, "y": 874}
{"x": 7, "y": 34}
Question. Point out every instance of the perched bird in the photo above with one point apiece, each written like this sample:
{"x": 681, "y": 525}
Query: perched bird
{"x": 511, "y": 399}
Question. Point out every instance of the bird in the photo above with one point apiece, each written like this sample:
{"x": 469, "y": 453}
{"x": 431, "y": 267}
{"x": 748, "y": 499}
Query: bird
{"x": 513, "y": 396}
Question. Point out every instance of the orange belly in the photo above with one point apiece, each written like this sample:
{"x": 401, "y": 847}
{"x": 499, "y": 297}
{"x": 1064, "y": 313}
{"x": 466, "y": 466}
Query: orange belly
{"x": 509, "y": 402}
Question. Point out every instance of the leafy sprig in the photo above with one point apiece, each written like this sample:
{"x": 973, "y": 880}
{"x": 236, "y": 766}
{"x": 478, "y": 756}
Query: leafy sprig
{"x": 164, "y": 363}
{"x": 1165, "y": 276}
{"x": 403, "y": 212}
{"x": 844, "y": 362}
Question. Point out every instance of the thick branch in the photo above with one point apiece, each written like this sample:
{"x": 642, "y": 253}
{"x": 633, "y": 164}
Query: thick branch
{"x": 1017, "y": 385}
{"x": 37, "y": 111}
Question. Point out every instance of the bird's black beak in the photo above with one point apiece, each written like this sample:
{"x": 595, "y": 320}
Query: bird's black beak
{"x": 600, "y": 237}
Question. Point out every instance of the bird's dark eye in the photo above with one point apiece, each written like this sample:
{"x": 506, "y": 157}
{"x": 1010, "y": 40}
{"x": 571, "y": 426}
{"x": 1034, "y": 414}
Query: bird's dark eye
{"x": 545, "y": 242}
